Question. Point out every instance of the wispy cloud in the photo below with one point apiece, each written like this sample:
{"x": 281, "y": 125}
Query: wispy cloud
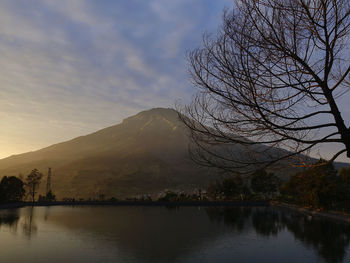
{"x": 71, "y": 67}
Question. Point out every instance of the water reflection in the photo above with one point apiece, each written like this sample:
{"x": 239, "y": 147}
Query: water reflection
{"x": 328, "y": 238}
{"x": 9, "y": 218}
{"x": 156, "y": 234}
{"x": 267, "y": 222}
{"x": 29, "y": 225}
{"x": 25, "y": 218}
{"x": 150, "y": 234}
{"x": 236, "y": 218}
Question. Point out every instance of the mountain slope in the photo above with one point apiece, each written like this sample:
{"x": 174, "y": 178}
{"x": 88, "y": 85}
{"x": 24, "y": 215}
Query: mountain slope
{"x": 146, "y": 153}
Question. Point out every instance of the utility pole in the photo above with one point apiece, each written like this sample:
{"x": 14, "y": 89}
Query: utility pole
{"x": 48, "y": 183}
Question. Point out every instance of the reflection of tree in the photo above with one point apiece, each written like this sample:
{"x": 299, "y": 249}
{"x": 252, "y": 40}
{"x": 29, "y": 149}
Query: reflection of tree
{"x": 267, "y": 222}
{"x": 233, "y": 217}
{"x": 330, "y": 239}
{"x": 29, "y": 225}
{"x": 47, "y": 212}
{"x": 9, "y": 218}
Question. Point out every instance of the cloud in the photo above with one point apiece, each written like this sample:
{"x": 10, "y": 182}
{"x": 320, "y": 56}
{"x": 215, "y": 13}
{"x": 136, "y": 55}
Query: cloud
{"x": 71, "y": 67}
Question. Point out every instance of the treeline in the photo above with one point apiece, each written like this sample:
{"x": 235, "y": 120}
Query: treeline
{"x": 321, "y": 186}
{"x": 15, "y": 189}
{"x": 261, "y": 185}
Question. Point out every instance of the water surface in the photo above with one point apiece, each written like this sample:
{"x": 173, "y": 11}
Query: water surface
{"x": 158, "y": 234}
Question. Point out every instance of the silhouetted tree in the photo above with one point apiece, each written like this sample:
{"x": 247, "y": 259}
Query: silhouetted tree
{"x": 32, "y": 183}
{"x": 11, "y": 189}
{"x": 271, "y": 78}
{"x": 213, "y": 190}
{"x": 317, "y": 187}
{"x": 264, "y": 183}
{"x": 229, "y": 188}
{"x": 169, "y": 196}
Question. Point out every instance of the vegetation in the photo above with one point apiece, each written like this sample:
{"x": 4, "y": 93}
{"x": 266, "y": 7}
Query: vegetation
{"x": 230, "y": 188}
{"x": 266, "y": 184}
{"x": 263, "y": 185}
{"x": 171, "y": 196}
{"x": 319, "y": 187}
{"x": 11, "y": 189}
{"x": 32, "y": 183}
{"x": 269, "y": 79}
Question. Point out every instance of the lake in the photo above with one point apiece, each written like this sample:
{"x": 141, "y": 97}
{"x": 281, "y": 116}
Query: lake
{"x": 159, "y": 234}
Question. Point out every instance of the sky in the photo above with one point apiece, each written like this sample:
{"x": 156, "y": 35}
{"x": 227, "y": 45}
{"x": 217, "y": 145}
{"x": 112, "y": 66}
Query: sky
{"x": 71, "y": 67}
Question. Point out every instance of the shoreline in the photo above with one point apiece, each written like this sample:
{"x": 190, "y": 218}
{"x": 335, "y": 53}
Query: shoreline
{"x": 333, "y": 215}
{"x": 137, "y": 203}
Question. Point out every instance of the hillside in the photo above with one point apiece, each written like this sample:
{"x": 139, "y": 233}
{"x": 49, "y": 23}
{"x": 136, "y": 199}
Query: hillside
{"x": 146, "y": 153}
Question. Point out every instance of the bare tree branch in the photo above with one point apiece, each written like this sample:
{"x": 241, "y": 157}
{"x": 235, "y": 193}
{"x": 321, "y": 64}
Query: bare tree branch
{"x": 266, "y": 83}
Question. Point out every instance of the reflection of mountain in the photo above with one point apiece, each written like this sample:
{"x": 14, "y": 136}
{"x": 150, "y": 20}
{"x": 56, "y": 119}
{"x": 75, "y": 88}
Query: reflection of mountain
{"x": 145, "y": 153}
{"x": 187, "y": 234}
{"x": 155, "y": 234}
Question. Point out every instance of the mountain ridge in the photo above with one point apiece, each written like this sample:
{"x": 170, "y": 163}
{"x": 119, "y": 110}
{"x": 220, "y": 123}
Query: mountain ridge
{"x": 149, "y": 147}
{"x": 144, "y": 154}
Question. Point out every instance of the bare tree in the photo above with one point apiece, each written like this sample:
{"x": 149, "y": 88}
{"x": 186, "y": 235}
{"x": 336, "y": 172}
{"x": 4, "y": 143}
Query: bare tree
{"x": 270, "y": 80}
{"x": 32, "y": 182}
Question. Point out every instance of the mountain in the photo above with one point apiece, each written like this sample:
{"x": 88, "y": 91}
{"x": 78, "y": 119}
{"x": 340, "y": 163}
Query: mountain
{"x": 146, "y": 153}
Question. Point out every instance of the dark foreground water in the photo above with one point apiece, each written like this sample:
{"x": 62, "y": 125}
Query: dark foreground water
{"x": 159, "y": 234}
